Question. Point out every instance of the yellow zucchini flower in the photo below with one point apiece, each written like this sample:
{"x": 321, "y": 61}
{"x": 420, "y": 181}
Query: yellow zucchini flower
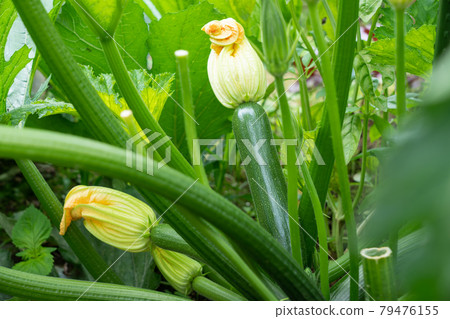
{"x": 114, "y": 217}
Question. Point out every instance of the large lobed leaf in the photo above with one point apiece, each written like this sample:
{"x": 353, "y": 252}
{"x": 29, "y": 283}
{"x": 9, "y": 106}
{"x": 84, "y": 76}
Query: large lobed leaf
{"x": 131, "y": 35}
{"x": 419, "y": 50}
{"x": 9, "y": 69}
{"x": 182, "y": 30}
{"x": 418, "y": 14}
{"x": 18, "y": 116}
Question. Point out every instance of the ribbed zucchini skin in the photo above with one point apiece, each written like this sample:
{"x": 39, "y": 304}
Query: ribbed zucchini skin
{"x": 267, "y": 182}
{"x": 36, "y": 287}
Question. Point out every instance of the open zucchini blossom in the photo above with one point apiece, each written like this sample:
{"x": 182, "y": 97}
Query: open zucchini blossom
{"x": 114, "y": 217}
{"x": 178, "y": 269}
{"x": 235, "y": 70}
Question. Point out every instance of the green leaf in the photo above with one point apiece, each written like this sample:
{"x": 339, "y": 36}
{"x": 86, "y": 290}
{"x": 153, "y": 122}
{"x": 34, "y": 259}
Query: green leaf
{"x": 19, "y": 116}
{"x": 418, "y": 14}
{"x": 323, "y": 15}
{"x": 367, "y": 9}
{"x": 171, "y": 6}
{"x": 18, "y": 94}
{"x": 7, "y": 18}
{"x": 182, "y": 30}
{"x": 85, "y": 46}
{"x": 104, "y": 85}
{"x": 9, "y": 69}
{"x": 351, "y": 133}
{"x": 29, "y": 233}
{"x": 363, "y": 76}
{"x": 30, "y": 254}
{"x": 154, "y": 89}
{"x": 41, "y": 264}
{"x": 419, "y": 51}
{"x": 382, "y": 125}
{"x": 31, "y": 230}
{"x": 240, "y": 10}
{"x": 363, "y": 71}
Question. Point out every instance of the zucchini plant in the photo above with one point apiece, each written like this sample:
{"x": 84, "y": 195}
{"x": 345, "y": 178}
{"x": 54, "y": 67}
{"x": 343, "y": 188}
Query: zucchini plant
{"x": 244, "y": 150}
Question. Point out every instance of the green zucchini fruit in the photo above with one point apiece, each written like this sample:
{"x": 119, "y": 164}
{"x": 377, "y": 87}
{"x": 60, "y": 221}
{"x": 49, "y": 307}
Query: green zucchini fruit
{"x": 264, "y": 173}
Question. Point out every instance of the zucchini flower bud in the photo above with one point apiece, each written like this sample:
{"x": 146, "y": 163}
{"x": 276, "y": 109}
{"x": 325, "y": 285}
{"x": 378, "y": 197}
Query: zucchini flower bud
{"x": 102, "y": 16}
{"x": 401, "y": 4}
{"x": 114, "y": 217}
{"x": 235, "y": 70}
{"x": 274, "y": 38}
{"x": 178, "y": 269}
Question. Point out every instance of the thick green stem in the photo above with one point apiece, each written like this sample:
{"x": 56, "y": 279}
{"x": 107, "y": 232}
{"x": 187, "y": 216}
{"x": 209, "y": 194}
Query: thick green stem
{"x": 166, "y": 237}
{"x": 338, "y": 149}
{"x": 36, "y": 287}
{"x": 400, "y": 64}
{"x": 290, "y": 136}
{"x": 364, "y": 158}
{"x": 214, "y": 291}
{"x": 137, "y": 105}
{"x": 63, "y": 149}
{"x": 379, "y": 279}
{"x": 189, "y": 116}
{"x": 80, "y": 245}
